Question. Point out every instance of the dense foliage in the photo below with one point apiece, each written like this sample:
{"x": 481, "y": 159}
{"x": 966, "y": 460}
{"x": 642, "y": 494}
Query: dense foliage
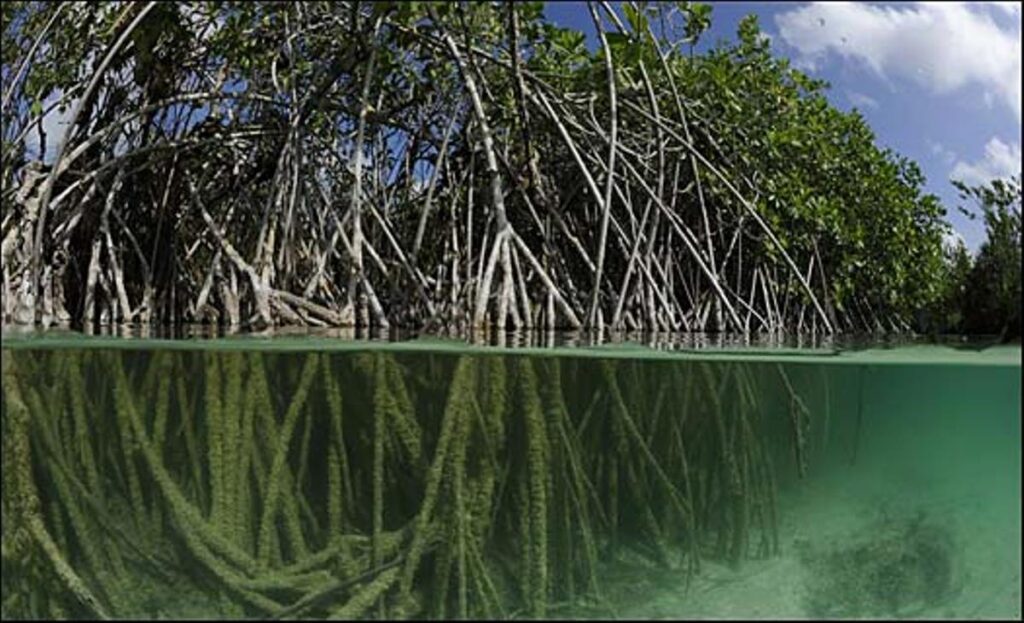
{"x": 410, "y": 163}
{"x": 993, "y": 290}
{"x": 981, "y": 295}
{"x": 991, "y": 283}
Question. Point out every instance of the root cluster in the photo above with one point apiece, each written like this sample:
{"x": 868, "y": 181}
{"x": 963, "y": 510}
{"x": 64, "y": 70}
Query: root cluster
{"x": 369, "y": 484}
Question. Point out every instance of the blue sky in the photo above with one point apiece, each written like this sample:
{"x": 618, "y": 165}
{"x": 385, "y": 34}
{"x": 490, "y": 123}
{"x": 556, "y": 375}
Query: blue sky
{"x": 938, "y": 82}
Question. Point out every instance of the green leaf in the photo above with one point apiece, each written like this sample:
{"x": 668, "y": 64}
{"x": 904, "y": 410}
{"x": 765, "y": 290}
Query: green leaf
{"x": 618, "y": 44}
{"x": 637, "y": 21}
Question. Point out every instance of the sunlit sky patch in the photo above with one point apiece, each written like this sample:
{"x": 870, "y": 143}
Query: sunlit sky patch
{"x": 939, "y": 82}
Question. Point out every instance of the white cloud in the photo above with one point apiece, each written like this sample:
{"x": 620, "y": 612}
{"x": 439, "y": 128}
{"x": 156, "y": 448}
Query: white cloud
{"x": 942, "y": 46}
{"x": 1000, "y": 161}
{"x": 947, "y": 155}
{"x": 861, "y": 100}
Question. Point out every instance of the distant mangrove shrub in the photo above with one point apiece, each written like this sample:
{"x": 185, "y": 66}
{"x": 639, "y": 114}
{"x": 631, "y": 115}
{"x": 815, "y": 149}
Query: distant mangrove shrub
{"x": 982, "y": 294}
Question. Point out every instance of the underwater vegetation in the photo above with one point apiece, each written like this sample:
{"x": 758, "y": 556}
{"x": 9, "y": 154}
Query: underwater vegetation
{"x": 168, "y": 483}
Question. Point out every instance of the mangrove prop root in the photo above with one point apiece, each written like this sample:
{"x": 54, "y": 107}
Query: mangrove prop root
{"x": 538, "y": 457}
{"x": 507, "y": 476}
{"x": 276, "y": 481}
{"x": 28, "y": 498}
{"x": 800, "y": 416}
{"x": 366, "y": 597}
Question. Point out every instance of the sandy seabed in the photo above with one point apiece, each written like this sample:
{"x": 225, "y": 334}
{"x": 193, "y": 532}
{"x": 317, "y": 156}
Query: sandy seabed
{"x": 829, "y": 511}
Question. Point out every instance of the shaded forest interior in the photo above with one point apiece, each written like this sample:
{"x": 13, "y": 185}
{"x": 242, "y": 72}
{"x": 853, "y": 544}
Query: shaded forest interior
{"x": 253, "y": 164}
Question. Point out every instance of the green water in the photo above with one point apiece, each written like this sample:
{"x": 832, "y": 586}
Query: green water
{"x": 430, "y": 479}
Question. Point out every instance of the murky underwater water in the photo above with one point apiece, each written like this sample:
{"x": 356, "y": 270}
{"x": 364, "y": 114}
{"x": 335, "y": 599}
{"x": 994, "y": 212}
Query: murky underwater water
{"x": 439, "y": 483}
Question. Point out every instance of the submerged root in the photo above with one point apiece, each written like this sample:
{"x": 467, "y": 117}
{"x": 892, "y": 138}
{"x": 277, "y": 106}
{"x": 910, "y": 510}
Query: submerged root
{"x": 364, "y": 504}
{"x": 25, "y": 498}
